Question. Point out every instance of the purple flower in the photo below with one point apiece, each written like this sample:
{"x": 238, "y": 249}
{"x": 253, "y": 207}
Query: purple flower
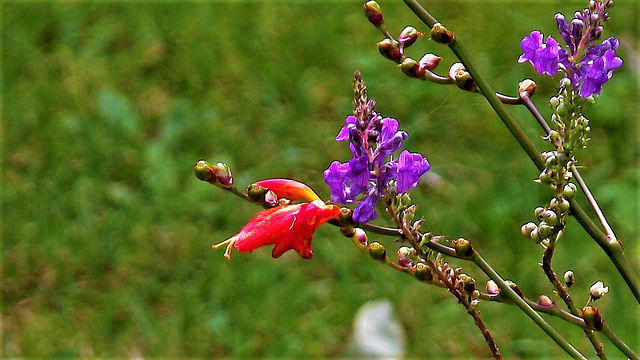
{"x": 372, "y": 141}
{"x": 410, "y": 168}
{"x": 585, "y": 63}
{"x": 600, "y": 71}
{"x": 543, "y": 57}
{"x": 366, "y": 209}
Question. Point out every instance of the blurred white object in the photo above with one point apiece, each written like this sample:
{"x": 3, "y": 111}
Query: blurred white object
{"x": 376, "y": 332}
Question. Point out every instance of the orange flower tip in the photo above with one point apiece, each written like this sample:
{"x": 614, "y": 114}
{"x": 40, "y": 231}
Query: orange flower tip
{"x": 289, "y": 189}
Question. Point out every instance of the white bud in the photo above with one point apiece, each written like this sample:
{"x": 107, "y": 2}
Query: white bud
{"x": 569, "y": 278}
{"x": 598, "y": 290}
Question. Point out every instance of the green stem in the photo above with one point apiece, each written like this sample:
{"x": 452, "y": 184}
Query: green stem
{"x": 614, "y": 251}
{"x": 624, "y": 348}
{"x": 522, "y": 304}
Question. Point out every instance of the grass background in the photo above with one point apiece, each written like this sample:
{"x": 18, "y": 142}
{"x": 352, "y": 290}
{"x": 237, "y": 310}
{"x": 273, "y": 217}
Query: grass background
{"x": 106, "y": 232}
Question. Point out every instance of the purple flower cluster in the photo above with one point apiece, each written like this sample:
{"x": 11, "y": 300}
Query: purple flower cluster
{"x": 587, "y": 64}
{"x": 372, "y": 139}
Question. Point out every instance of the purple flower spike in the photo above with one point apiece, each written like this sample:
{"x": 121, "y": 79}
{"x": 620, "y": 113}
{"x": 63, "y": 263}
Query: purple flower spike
{"x": 410, "y": 168}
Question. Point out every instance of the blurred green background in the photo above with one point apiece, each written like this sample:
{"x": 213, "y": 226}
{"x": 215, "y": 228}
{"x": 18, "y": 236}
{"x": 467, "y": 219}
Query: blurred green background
{"x": 106, "y": 232}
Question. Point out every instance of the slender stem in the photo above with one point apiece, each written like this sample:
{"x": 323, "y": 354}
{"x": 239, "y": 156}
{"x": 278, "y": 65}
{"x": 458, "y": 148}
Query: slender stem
{"x": 381, "y": 230}
{"x": 614, "y": 251}
{"x": 624, "y": 348}
{"x": 522, "y": 304}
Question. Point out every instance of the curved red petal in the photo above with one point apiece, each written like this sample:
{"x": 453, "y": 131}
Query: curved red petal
{"x": 289, "y": 189}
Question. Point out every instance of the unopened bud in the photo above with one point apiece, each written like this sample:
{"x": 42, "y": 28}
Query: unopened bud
{"x": 408, "y": 36}
{"x": 440, "y": 34}
{"x": 592, "y": 317}
{"x": 544, "y": 300}
{"x": 463, "y": 247}
{"x": 223, "y": 174}
{"x": 527, "y": 228}
{"x": 411, "y": 68}
{"x": 459, "y": 74}
{"x": 374, "y": 13}
{"x": 492, "y": 287}
{"x": 569, "y": 278}
{"x": 538, "y": 212}
{"x": 422, "y": 272}
{"x": 569, "y": 190}
{"x": 361, "y": 236}
{"x": 550, "y": 217}
{"x": 527, "y": 86}
{"x": 377, "y": 251}
{"x": 564, "y": 205}
{"x": 429, "y": 62}
{"x": 345, "y": 216}
{"x": 204, "y": 172}
{"x": 256, "y": 193}
{"x": 389, "y": 49}
{"x": 535, "y": 236}
{"x": 404, "y": 259}
{"x": 598, "y": 290}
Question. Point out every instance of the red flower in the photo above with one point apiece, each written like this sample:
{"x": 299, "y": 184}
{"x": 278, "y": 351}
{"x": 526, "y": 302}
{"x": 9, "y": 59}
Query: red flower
{"x": 289, "y": 189}
{"x": 287, "y": 227}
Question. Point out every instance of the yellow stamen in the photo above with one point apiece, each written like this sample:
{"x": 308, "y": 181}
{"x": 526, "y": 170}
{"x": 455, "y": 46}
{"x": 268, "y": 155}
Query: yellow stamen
{"x": 229, "y": 242}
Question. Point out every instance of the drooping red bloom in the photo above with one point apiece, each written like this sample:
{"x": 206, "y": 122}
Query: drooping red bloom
{"x": 289, "y": 189}
{"x": 286, "y": 226}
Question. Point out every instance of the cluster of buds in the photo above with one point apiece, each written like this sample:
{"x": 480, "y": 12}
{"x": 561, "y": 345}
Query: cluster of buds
{"x": 551, "y": 221}
{"x": 394, "y": 50}
{"x": 571, "y": 127}
{"x": 218, "y": 174}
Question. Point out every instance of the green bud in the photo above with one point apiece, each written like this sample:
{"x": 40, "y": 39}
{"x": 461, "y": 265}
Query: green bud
{"x": 441, "y": 35}
{"x": 544, "y": 230}
{"x": 256, "y": 193}
{"x": 422, "y": 272}
{"x": 463, "y": 247}
{"x": 554, "y": 102}
{"x": 535, "y": 236}
{"x": 550, "y": 217}
{"x": 592, "y": 317}
{"x": 345, "y": 216}
{"x": 545, "y": 178}
{"x": 202, "y": 171}
{"x": 377, "y": 251}
{"x": 564, "y": 205}
{"x": 563, "y": 110}
{"x": 569, "y": 191}
{"x": 527, "y": 228}
{"x": 538, "y": 212}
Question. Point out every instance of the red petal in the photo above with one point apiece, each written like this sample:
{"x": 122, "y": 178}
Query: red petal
{"x": 289, "y": 189}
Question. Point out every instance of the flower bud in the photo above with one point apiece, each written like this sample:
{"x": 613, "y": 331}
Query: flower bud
{"x": 422, "y": 272}
{"x": 554, "y": 102}
{"x": 592, "y": 317}
{"x": 463, "y": 247}
{"x": 538, "y": 212}
{"x": 564, "y": 205}
{"x": 459, "y": 74}
{"x": 389, "y": 49}
{"x": 535, "y": 236}
{"x": 361, "y": 236}
{"x": 377, "y": 251}
{"x": 515, "y": 288}
{"x": 429, "y": 62}
{"x": 204, "y": 172}
{"x": 408, "y": 36}
{"x": 569, "y": 278}
{"x": 527, "y": 86}
{"x": 374, "y": 13}
{"x": 411, "y": 68}
{"x": 404, "y": 259}
{"x": 346, "y": 216}
{"x": 598, "y": 290}
{"x": 223, "y": 174}
{"x": 492, "y": 287}
{"x": 549, "y": 216}
{"x": 527, "y": 228}
{"x": 569, "y": 191}
{"x": 544, "y": 300}
{"x": 441, "y": 35}
{"x": 256, "y": 193}
{"x": 563, "y": 110}
{"x": 544, "y": 230}
{"x": 544, "y": 177}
